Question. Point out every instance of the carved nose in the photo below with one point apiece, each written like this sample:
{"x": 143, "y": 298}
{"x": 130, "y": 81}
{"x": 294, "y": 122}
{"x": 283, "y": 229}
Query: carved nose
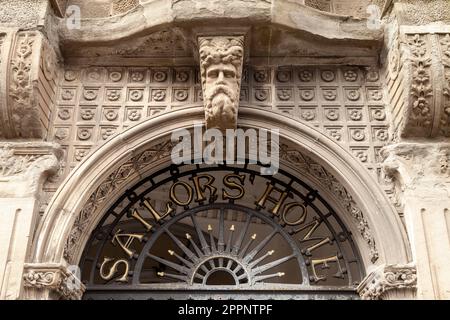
{"x": 220, "y": 77}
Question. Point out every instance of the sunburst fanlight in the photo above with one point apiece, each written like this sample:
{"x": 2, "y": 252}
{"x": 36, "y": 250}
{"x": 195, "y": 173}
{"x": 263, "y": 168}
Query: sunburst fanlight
{"x": 230, "y": 254}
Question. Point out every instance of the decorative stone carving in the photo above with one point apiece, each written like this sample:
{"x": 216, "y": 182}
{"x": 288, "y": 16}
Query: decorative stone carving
{"x": 326, "y": 179}
{"x": 22, "y": 165}
{"x": 421, "y": 90}
{"x": 53, "y": 277}
{"x": 422, "y": 74}
{"x": 25, "y": 105}
{"x": 445, "y": 112}
{"x": 386, "y": 278}
{"x": 221, "y": 60}
{"x": 417, "y": 165}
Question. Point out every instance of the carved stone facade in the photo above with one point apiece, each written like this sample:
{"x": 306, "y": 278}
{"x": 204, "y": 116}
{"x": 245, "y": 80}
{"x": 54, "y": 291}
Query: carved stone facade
{"x": 361, "y": 98}
{"x": 53, "y": 278}
{"x": 28, "y": 85}
{"x": 346, "y": 103}
{"x": 386, "y": 279}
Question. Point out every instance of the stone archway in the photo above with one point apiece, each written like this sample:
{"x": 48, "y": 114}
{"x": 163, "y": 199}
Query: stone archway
{"x": 377, "y": 229}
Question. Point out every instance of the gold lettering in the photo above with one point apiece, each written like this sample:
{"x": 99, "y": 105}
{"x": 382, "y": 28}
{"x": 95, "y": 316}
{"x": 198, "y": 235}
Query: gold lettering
{"x": 278, "y": 202}
{"x": 135, "y": 214}
{"x": 288, "y": 208}
{"x": 129, "y": 240}
{"x": 325, "y": 262}
{"x": 200, "y": 189}
{"x": 154, "y": 213}
{"x": 315, "y": 224}
{"x": 233, "y": 186}
{"x": 187, "y": 187}
{"x": 114, "y": 268}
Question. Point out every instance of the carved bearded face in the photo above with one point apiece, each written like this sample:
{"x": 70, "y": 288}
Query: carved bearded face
{"x": 221, "y": 68}
{"x": 221, "y": 89}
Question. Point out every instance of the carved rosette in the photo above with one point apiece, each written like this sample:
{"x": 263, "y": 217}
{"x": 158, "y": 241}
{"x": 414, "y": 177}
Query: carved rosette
{"x": 22, "y": 85}
{"x": 55, "y": 278}
{"x": 387, "y": 278}
{"x": 221, "y": 60}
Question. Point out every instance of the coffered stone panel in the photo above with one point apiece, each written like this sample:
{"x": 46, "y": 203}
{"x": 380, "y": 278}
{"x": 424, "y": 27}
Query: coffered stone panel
{"x": 346, "y": 103}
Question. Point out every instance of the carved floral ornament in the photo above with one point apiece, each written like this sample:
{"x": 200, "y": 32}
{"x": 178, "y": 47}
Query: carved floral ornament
{"x": 55, "y": 278}
{"x": 428, "y": 75}
{"x": 386, "y": 278}
{"x": 221, "y": 60}
{"x": 137, "y": 164}
{"x": 22, "y": 117}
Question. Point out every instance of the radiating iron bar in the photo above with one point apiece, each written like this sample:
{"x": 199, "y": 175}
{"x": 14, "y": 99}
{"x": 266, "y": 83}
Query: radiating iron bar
{"x": 175, "y": 266}
{"x": 261, "y": 245}
{"x": 221, "y": 241}
{"x": 191, "y": 255}
{"x": 205, "y": 247}
{"x": 268, "y": 276}
{"x": 254, "y": 263}
{"x": 271, "y": 265}
{"x": 238, "y": 244}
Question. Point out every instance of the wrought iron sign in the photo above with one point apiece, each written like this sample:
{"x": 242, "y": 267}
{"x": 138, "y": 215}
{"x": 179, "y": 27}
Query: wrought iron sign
{"x": 195, "y": 227}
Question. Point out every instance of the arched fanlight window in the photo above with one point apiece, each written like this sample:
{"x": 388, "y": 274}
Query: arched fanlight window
{"x": 224, "y": 229}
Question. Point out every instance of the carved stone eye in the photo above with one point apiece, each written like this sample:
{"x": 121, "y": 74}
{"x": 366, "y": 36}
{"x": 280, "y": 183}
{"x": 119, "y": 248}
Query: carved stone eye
{"x": 213, "y": 74}
{"x": 229, "y": 74}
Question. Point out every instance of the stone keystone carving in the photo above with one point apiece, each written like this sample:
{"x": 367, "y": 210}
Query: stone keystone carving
{"x": 221, "y": 61}
{"x": 385, "y": 278}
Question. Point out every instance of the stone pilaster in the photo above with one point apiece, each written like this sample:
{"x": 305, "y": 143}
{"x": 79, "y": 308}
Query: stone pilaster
{"x": 389, "y": 282}
{"x": 23, "y": 169}
{"x": 422, "y": 173}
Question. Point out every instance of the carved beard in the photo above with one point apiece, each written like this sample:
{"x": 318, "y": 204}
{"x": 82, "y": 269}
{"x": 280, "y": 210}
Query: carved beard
{"x": 221, "y": 107}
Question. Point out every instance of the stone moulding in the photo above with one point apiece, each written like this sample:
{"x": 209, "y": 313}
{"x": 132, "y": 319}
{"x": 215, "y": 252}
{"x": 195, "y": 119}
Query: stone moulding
{"x": 151, "y": 15}
{"x": 386, "y": 278}
{"x": 53, "y": 277}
